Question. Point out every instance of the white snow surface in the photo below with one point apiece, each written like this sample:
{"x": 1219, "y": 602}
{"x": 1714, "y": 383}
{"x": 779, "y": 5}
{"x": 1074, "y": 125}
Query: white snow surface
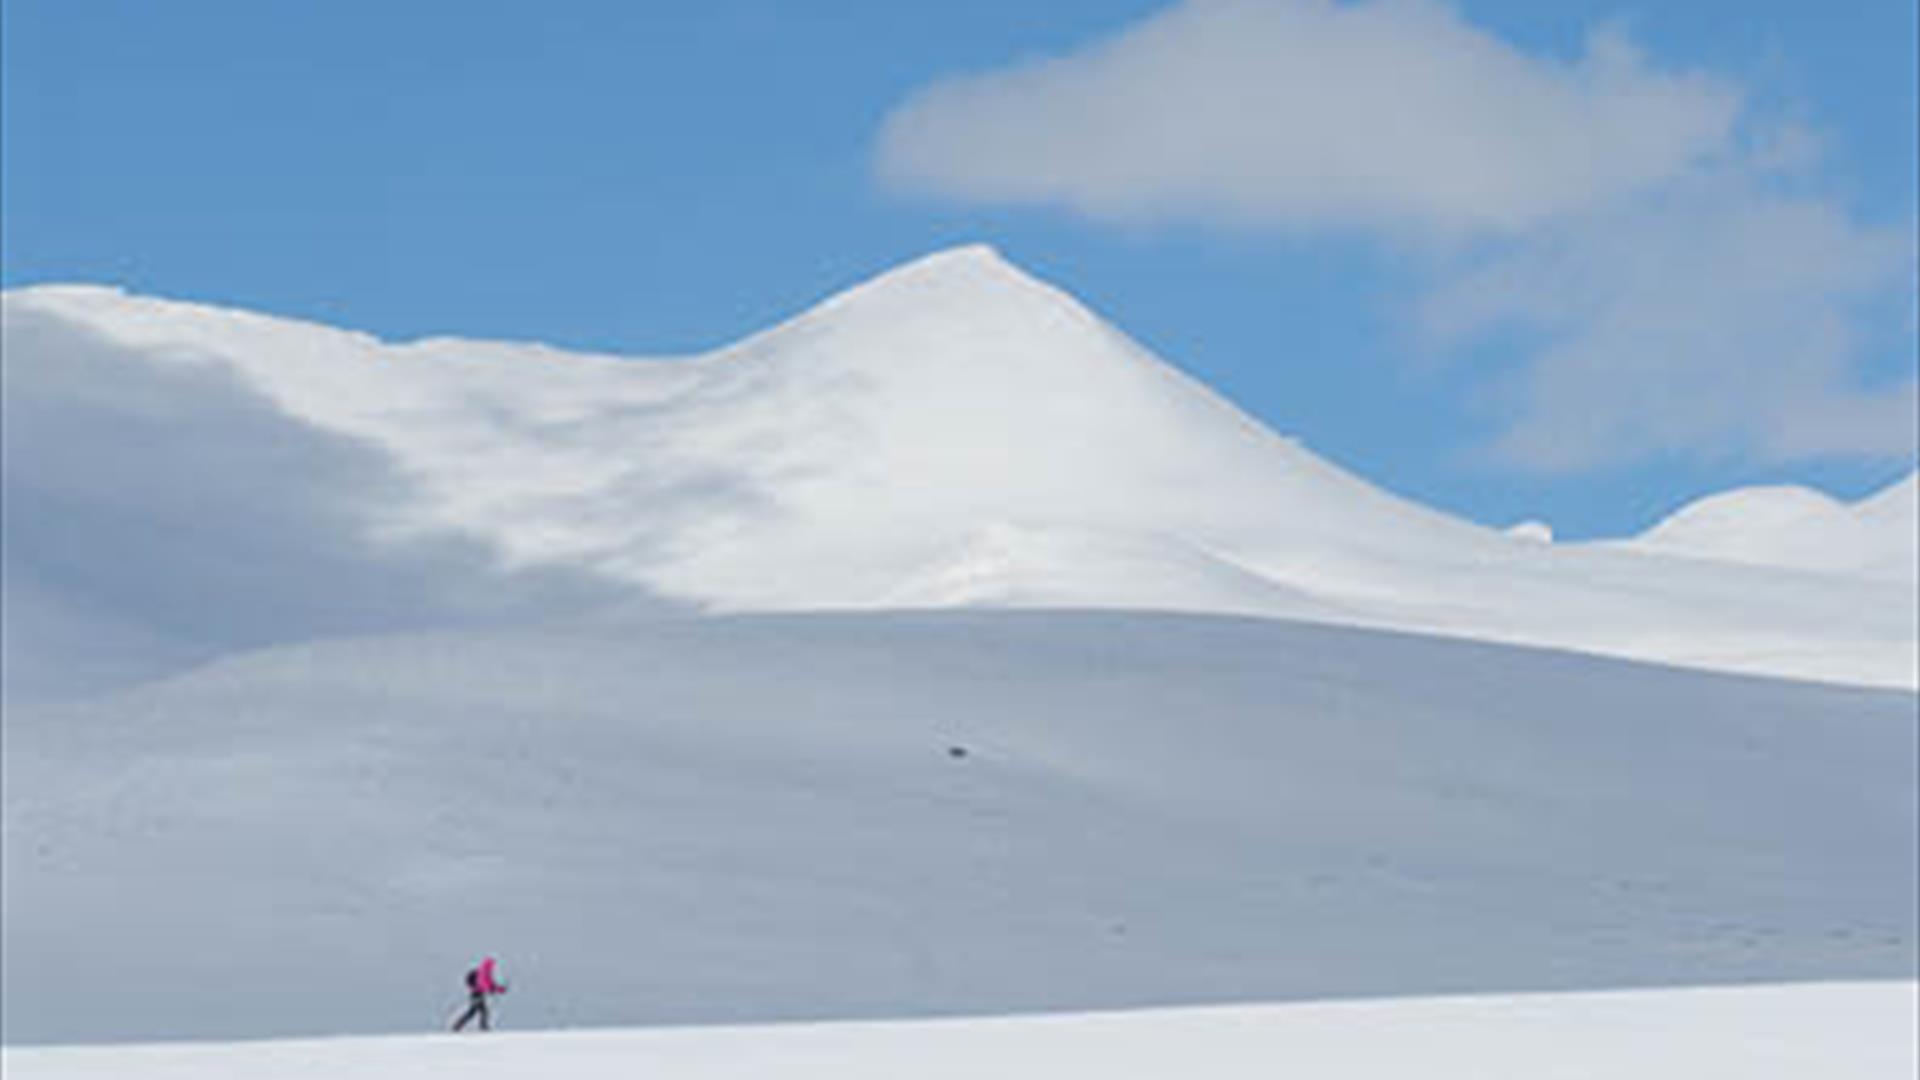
{"x": 953, "y": 433}
{"x": 747, "y": 818}
{"x": 1862, "y": 1031}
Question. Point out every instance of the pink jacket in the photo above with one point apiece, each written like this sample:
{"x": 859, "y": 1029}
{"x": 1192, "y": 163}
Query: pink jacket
{"x": 484, "y": 982}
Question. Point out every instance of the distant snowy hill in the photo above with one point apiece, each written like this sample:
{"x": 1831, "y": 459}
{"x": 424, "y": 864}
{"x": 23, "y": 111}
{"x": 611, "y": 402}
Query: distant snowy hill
{"x": 187, "y": 480}
{"x": 1801, "y": 528}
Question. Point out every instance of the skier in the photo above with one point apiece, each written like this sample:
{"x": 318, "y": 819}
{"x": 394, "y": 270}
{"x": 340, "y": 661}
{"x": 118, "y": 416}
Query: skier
{"x": 481, "y": 984}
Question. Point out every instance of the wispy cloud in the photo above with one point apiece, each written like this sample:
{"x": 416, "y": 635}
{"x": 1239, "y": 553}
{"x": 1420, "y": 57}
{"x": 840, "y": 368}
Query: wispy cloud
{"x": 1715, "y": 318}
{"x": 1650, "y": 232}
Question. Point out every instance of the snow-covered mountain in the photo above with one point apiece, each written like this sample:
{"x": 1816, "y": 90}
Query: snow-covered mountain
{"x": 951, "y": 433}
{"x": 333, "y": 661}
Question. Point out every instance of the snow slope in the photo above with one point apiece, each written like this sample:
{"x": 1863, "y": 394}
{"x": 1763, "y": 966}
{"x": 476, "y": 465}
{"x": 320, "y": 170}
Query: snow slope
{"x": 1858, "y": 1031}
{"x": 756, "y": 817}
{"x": 953, "y": 433}
{"x": 1802, "y": 529}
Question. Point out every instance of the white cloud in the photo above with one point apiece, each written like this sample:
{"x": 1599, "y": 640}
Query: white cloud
{"x": 1308, "y": 112}
{"x": 1715, "y": 319}
{"x": 1630, "y": 221}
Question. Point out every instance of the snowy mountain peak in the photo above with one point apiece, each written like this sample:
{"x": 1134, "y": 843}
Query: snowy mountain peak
{"x": 958, "y": 300}
{"x": 966, "y": 266}
{"x": 976, "y": 258}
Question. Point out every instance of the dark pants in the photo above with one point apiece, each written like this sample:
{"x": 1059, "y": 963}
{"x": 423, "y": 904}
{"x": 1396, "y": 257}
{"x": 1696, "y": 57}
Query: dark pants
{"x": 476, "y": 1006}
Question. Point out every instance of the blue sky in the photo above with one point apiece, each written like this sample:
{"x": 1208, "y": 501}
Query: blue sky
{"x": 1579, "y": 261}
